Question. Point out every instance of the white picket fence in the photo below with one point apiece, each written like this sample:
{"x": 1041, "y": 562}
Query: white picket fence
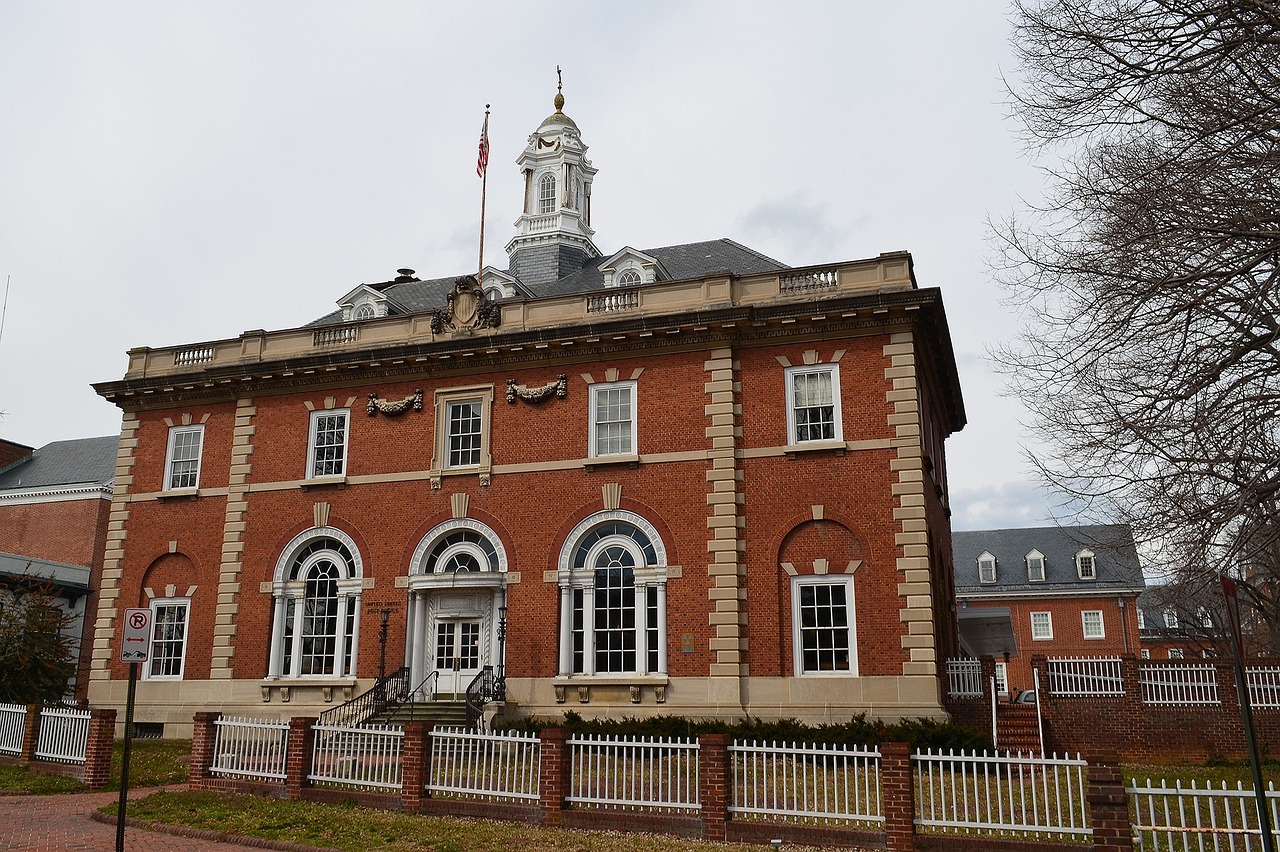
{"x": 13, "y": 722}
{"x": 1184, "y": 685}
{"x": 490, "y": 766}
{"x": 648, "y": 773}
{"x": 1008, "y": 795}
{"x": 1222, "y": 819}
{"x": 1264, "y": 686}
{"x": 1085, "y": 676}
{"x": 358, "y": 756}
{"x": 964, "y": 678}
{"x": 64, "y": 735}
{"x": 254, "y": 748}
{"x": 826, "y": 784}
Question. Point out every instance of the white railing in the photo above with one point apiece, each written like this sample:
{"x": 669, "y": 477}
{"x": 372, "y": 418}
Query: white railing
{"x": 1200, "y": 818}
{"x": 1179, "y": 684}
{"x": 1264, "y": 685}
{"x": 814, "y": 279}
{"x": 603, "y": 303}
{"x": 13, "y": 723}
{"x": 813, "y": 783}
{"x": 255, "y": 748}
{"x": 488, "y": 766}
{"x": 64, "y": 734}
{"x": 964, "y": 678}
{"x": 651, "y": 773}
{"x": 335, "y": 335}
{"x": 364, "y": 756}
{"x": 193, "y": 355}
{"x": 1015, "y": 794}
{"x": 1085, "y": 676}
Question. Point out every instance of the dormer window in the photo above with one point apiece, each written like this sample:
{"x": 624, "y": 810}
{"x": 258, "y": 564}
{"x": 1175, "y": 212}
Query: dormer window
{"x": 364, "y": 311}
{"x": 1086, "y": 568}
{"x": 628, "y": 278}
{"x": 1035, "y": 567}
{"x": 547, "y": 193}
{"x": 1170, "y": 619}
{"x": 1142, "y": 620}
{"x": 986, "y": 568}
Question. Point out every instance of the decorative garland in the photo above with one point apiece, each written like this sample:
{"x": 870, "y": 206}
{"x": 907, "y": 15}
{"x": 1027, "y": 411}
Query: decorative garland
{"x": 559, "y": 387}
{"x": 413, "y": 400}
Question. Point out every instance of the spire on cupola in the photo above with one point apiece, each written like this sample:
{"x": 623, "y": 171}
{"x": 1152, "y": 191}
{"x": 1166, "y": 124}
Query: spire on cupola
{"x": 553, "y": 234}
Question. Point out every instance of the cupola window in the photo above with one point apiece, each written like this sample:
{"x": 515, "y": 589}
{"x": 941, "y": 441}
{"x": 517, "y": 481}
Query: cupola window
{"x": 547, "y": 193}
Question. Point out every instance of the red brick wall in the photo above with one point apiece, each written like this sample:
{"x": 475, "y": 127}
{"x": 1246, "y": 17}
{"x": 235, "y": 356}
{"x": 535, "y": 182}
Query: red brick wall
{"x": 70, "y": 531}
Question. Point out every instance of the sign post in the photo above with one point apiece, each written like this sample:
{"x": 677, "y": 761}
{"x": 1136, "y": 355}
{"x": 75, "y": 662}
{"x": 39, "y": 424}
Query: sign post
{"x": 135, "y": 647}
{"x": 1246, "y": 708}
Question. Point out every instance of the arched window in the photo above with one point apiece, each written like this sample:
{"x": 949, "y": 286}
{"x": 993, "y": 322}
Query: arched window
{"x": 364, "y": 311}
{"x": 462, "y": 550}
{"x": 317, "y": 606}
{"x": 628, "y": 278}
{"x": 613, "y": 597}
{"x": 547, "y": 193}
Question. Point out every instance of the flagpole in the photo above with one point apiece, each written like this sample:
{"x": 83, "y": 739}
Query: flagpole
{"x": 484, "y": 185}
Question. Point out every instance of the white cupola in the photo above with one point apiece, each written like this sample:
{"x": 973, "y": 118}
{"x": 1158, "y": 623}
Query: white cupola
{"x": 553, "y": 234}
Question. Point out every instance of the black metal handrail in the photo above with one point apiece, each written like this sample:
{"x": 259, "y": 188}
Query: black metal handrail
{"x": 482, "y": 689}
{"x": 386, "y": 691}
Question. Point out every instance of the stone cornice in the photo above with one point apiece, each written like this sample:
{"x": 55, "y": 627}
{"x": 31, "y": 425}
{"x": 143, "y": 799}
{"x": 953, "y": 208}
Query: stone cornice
{"x": 56, "y": 494}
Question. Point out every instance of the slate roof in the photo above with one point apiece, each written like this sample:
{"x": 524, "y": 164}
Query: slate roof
{"x": 1116, "y": 559}
{"x": 74, "y": 462}
{"x": 691, "y": 260}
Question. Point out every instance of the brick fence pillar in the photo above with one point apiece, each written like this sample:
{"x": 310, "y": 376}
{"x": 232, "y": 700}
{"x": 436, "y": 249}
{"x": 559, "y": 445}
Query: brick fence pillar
{"x": 415, "y": 764}
{"x": 98, "y": 748}
{"x": 30, "y": 734}
{"x": 204, "y": 736}
{"x": 1108, "y": 804}
{"x": 298, "y": 761}
{"x": 899, "y": 797}
{"x": 713, "y": 784}
{"x": 554, "y": 772}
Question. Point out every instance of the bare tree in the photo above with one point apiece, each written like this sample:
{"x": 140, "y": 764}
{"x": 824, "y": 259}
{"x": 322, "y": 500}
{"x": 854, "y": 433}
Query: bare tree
{"x": 1150, "y": 352}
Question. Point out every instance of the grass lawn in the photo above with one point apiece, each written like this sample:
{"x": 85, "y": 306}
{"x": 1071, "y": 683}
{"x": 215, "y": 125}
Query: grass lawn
{"x": 152, "y": 763}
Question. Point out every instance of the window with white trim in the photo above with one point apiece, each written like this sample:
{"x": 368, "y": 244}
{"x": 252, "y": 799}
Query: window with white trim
{"x": 986, "y": 568}
{"x": 613, "y": 598}
{"x": 1002, "y": 678}
{"x": 1146, "y": 653}
{"x": 813, "y": 403}
{"x": 169, "y": 618}
{"x": 613, "y": 419}
{"x": 1091, "y": 621}
{"x": 364, "y": 311}
{"x": 1086, "y": 566}
{"x": 462, "y": 432}
{"x": 1142, "y": 619}
{"x": 1171, "y": 619}
{"x": 1035, "y": 567}
{"x": 327, "y": 443}
{"x": 1175, "y": 654}
{"x": 317, "y": 607}
{"x": 547, "y": 193}
{"x": 1041, "y": 625}
{"x": 464, "y": 435}
{"x": 182, "y": 461}
{"x": 823, "y": 631}
{"x": 627, "y": 278}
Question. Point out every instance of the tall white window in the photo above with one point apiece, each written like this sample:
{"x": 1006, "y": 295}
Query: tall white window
{"x": 823, "y": 629}
{"x": 613, "y": 598}
{"x": 1085, "y": 565}
{"x": 813, "y": 403}
{"x": 182, "y": 463}
{"x": 547, "y": 193}
{"x": 327, "y": 445}
{"x": 1170, "y": 619}
{"x": 465, "y": 422}
{"x": 1002, "y": 678}
{"x": 986, "y": 568}
{"x": 1142, "y": 620}
{"x": 1091, "y": 620}
{"x": 168, "y": 638}
{"x": 1035, "y": 567}
{"x": 1041, "y": 625}
{"x": 317, "y": 607}
{"x": 613, "y": 419}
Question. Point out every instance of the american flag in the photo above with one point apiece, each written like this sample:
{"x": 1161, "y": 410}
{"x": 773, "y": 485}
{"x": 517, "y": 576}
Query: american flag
{"x": 482, "y": 159}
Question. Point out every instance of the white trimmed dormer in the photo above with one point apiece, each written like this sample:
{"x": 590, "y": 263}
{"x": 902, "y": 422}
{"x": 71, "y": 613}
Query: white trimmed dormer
{"x": 986, "y": 568}
{"x": 1035, "y": 567}
{"x": 631, "y": 268}
{"x": 364, "y": 303}
{"x": 497, "y": 284}
{"x": 1086, "y": 565}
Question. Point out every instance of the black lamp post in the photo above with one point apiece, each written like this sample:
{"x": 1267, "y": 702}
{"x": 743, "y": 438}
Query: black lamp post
{"x": 382, "y": 645}
{"x": 500, "y": 686}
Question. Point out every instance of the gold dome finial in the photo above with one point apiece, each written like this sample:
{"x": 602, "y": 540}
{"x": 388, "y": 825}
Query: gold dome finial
{"x": 559, "y": 101}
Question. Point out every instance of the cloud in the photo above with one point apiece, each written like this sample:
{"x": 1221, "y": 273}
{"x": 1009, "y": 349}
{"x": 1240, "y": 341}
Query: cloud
{"x": 1005, "y": 505}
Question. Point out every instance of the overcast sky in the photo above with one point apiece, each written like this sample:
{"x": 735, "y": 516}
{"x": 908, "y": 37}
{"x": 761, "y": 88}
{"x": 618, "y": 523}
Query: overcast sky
{"x": 173, "y": 173}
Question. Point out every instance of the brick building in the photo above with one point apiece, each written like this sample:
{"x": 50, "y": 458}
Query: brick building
{"x": 686, "y": 480}
{"x": 1070, "y": 591}
{"x": 54, "y": 503}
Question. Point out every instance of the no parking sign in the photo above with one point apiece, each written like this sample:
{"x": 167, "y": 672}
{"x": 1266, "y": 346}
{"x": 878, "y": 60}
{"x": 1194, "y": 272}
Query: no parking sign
{"x": 136, "y": 636}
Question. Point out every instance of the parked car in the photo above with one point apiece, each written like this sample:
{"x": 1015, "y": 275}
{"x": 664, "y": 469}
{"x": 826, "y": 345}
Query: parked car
{"x": 1027, "y": 696}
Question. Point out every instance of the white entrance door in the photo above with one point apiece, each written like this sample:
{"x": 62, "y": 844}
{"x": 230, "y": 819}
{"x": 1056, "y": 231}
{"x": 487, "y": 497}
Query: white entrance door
{"x": 457, "y": 653}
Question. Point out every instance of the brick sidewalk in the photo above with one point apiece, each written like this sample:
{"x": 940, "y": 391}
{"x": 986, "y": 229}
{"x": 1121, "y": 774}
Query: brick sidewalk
{"x": 63, "y": 824}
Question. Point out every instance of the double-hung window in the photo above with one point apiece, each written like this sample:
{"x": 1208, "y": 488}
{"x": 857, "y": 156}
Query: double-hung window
{"x": 1035, "y": 567}
{"x": 1091, "y": 620}
{"x": 986, "y": 568}
{"x": 823, "y": 630}
{"x": 327, "y": 446}
{"x": 613, "y": 419}
{"x": 813, "y": 403}
{"x": 462, "y": 432}
{"x": 182, "y": 464}
{"x": 1086, "y": 567}
{"x": 168, "y": 638}
{"x": 1041, "y": 625}
{"x": 465, "y": 436}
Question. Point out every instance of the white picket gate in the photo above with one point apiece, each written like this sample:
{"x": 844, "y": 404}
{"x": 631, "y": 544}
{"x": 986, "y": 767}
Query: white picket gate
{"x": 252, "y": 748}
{"x": 649, "y": 773}
{"x": 829, "y": 784}
{"x": 64, "y": 734}
{"x": 357, "y": 756}
{"x": 490, "y": 766}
